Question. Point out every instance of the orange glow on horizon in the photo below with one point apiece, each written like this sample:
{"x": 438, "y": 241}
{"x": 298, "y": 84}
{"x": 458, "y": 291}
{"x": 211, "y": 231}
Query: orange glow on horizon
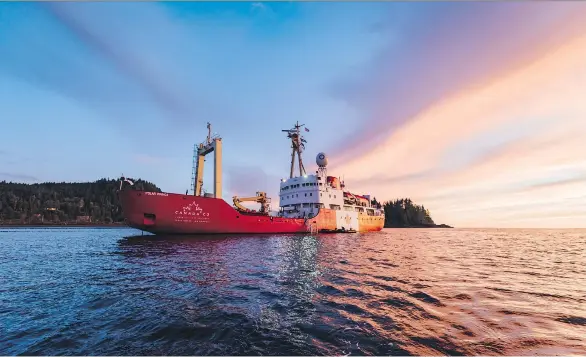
{"x": 446, "y": 157}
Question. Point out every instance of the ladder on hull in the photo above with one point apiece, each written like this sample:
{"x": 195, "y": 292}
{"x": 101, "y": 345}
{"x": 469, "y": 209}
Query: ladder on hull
{"x": 313, "y": 229}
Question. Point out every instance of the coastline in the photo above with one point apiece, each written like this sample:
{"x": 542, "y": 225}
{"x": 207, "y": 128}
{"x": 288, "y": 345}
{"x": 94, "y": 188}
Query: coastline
{"x": 122, "y": 225}
{"x": 72, "y": 225}
{"x": 423, "y": 226}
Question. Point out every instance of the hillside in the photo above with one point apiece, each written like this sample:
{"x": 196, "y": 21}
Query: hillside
{"x": 60, "y": 203}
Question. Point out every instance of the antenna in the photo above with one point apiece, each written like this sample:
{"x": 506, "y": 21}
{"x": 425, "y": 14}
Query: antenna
{"x": 297, "y": 147}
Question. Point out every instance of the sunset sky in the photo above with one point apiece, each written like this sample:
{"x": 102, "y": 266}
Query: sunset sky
{"x": 475, "y": 110}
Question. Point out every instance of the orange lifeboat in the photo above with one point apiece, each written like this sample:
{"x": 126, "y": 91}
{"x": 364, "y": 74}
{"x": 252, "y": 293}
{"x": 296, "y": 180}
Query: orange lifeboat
{"x": 361, "y": 200}
{"x": 334, "y": 182}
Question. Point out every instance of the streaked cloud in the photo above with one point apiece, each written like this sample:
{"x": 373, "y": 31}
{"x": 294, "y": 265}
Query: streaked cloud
{"x": 473, "y": 109}
{"x": 17, "y": 177}
{"x": 435, "y": 50}
{"x": 513, "y": 145}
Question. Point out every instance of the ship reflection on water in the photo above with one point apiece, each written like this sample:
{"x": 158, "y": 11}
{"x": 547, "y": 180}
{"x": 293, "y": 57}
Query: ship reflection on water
{"x": 410, "y": 292}
{"x": 396, "y": 292}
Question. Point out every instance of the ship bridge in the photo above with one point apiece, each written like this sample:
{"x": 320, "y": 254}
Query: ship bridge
{"x": 305, "y": 195}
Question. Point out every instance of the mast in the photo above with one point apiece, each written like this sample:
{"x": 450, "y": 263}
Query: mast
{"x": 211, "y": 144}
{"x": 297, "y": 147}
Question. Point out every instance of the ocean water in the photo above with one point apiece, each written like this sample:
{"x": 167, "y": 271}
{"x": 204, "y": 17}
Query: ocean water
{"x": 78, "y": 291}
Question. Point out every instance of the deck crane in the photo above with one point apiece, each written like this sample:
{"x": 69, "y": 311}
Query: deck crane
{"x": 261, "y": 197}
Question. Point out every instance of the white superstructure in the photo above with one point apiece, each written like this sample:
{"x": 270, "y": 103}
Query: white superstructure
{"x": 303, "y": 196}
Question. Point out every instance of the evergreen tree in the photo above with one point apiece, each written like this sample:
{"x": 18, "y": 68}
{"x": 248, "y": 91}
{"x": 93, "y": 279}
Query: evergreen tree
{"x": 64, "y": 202}
{"x": 404, "y": 213}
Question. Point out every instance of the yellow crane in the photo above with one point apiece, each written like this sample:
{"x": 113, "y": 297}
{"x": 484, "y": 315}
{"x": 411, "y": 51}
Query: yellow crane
{"x": 261, "y": 197}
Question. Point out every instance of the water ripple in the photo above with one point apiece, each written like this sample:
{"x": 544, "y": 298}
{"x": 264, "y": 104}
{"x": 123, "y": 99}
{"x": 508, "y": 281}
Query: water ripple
{"x": 397, "y": 292}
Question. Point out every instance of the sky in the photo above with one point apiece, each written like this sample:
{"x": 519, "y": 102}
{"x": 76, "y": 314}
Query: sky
{"x": 474, "y": 109}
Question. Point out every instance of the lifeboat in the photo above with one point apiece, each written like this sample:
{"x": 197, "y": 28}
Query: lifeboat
{"x": 334, "y": 182}
{"x": 361, "y": 200}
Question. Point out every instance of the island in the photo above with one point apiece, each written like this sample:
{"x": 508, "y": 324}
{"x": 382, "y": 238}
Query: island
{"x": 96, "y": 204}
{"x": 403, "y": 213}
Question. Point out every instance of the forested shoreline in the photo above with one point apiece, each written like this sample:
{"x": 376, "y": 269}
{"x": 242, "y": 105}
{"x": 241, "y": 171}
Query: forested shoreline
{"x": 61, "y": 203}
{"x": 96, "y": 203}
{"x": 403, "y": 213}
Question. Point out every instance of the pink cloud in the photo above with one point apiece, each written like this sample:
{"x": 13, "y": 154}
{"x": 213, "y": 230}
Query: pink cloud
{"x": 535, "y": 163}
{"x": 456, "y": 48}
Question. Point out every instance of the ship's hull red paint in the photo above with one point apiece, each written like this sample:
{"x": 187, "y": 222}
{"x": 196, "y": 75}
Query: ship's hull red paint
{"x": 169, "y": 213}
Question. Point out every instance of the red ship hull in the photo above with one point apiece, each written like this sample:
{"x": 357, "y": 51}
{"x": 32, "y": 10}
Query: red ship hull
{"x": 169, "y": 213}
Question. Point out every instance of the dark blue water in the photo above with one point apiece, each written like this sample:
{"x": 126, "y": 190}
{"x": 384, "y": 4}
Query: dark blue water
{"x": 398, "y": 292}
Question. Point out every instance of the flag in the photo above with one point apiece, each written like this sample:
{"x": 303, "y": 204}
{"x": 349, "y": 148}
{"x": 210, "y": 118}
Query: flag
{"x": 306, "y": 129}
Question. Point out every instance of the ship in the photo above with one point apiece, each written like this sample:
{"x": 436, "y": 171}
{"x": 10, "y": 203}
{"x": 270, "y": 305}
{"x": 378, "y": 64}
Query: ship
{"x": 308, "y": 203}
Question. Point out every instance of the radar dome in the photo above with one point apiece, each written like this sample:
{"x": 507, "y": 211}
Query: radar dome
{"x": 321, "y": 160}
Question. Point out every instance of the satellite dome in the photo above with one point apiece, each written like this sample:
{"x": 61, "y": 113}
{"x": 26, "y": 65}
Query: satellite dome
{"x": 321, "y": 160}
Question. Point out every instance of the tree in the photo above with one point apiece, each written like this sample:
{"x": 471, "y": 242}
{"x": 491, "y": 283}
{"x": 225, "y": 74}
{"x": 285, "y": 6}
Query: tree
{"x": 404, "y": 213}
{"x": 70, "y": 200}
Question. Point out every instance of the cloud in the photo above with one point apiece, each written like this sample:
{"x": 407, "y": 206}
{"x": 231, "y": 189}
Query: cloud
{"x": 258, "y": 6}
{"x": 122, "y": 67}
{"x": 444, "y": 49}
{"x": 471, "y": 151}
{"x": 18, "y": 177}
{"x": 119, "y": 55}
{"x": 515, "y": 141}
{"x": 553, "y": 182}
{"x": 397, "y": 179}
